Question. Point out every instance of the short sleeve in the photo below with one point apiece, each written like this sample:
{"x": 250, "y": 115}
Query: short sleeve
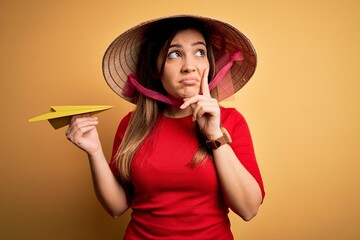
{"x": 120, "y": 132}
{"x": 242, "y": 143}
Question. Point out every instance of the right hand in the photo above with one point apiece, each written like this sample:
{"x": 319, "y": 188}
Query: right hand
{"x": 82, "y": 132}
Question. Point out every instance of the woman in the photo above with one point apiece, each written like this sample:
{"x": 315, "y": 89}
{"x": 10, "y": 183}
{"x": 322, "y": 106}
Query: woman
{"x": 180, "y": 161}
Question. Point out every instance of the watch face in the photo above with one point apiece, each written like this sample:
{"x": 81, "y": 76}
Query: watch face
{"x": 217, "y": 144}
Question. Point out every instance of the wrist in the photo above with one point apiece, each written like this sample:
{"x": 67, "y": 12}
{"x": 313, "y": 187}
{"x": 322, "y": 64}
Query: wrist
{"x": 224, "y": 138}
{"x": 215, "y": 135}
{"x": 96, "y": 153}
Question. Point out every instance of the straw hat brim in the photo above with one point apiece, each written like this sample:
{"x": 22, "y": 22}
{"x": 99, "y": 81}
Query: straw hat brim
{"x": 121, "y": 56}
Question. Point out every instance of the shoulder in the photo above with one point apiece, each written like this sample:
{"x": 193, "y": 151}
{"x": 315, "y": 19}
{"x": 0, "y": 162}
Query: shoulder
{"x": 125, "y": 120}
{"x": 234, "y": 121}
{"x": 123, "y": 125}
{"x": 231, "y": 115}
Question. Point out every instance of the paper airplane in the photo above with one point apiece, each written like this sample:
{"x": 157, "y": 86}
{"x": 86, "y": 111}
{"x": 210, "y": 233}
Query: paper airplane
{"x": 59, "y": 116}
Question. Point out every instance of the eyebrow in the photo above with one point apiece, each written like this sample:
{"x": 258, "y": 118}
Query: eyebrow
{"x": 194, "y": 44}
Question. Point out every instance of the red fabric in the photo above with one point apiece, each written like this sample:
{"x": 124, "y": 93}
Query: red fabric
{"x": 171, "y": 199}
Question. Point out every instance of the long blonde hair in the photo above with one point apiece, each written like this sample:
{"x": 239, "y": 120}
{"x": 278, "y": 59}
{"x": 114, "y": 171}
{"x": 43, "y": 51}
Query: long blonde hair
{"x": 141, "y": 123}
{"x": 147, "y": 111}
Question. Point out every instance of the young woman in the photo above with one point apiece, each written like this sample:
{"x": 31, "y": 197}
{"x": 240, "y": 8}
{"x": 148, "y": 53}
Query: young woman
{"x": 180, "y": 161}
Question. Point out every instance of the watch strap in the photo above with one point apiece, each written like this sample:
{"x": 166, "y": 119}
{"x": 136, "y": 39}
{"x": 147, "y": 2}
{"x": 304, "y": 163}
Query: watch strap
{"x": 224, "y": 139}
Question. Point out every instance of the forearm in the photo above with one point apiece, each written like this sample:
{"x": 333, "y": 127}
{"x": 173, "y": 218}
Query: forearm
{"x": 108, "y": 190}
{"x": 239, "y": 187}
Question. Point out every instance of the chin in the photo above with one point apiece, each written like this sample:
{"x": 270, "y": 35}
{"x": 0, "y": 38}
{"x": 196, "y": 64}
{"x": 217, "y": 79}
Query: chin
{"x": 189, "y": 94}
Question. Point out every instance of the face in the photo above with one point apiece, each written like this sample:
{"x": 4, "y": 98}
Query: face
{"x": 185, "y": 63}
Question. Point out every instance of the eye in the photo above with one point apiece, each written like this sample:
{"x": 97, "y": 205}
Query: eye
{"x": 200, "y": 53}
{"x": 174, "y": 54}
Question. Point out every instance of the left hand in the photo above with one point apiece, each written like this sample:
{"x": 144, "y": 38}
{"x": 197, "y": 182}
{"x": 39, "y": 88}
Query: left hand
{"x": 206, "y": 110}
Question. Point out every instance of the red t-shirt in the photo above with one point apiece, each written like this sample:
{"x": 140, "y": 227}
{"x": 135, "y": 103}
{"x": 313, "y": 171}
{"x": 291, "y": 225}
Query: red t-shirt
{"x": 172, "y": 200}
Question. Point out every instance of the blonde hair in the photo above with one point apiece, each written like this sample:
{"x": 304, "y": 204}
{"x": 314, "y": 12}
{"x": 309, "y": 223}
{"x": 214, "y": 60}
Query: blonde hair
{"x": 140, "y": 125}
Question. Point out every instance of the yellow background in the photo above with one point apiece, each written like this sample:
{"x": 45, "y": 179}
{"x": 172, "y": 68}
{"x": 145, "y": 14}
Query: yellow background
{"x": 302, "y": 106}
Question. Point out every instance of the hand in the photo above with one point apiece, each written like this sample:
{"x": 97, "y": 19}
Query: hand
{"x": 82, "y": 132}
{"x": 206, "y": 110}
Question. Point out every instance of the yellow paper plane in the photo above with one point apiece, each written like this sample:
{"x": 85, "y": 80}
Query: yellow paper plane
{"x": 59, "y": 116}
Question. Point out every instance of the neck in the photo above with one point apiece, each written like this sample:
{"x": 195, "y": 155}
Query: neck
{"x": 176, "y": 112}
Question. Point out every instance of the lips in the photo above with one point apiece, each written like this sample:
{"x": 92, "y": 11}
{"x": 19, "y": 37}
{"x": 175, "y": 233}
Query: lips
{"x": 189, "y": 81}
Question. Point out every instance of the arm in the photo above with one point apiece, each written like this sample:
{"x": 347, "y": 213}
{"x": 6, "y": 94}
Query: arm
{"x": 82, "y": 132}
{"x": 240, "y": 189}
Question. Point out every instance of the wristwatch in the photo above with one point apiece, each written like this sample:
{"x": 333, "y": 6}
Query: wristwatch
{"x": 224, "y": 139}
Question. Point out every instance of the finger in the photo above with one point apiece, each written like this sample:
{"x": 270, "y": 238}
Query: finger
{"x": 205, "y": 107}
{"x": 77, "y": 133}
{"x": 198, "y": 112}
{"x": 190, "y": 101}
{"x": 78, "y": 122}
{"x": 77, "y": 137}
{"x": 204, "y": 83}
{"x": 74, "y": 117}
{"x": 197, "y": 99}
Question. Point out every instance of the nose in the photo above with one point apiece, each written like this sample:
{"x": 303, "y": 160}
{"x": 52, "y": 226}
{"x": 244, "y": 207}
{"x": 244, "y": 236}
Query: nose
{"x": 188, "y": 65}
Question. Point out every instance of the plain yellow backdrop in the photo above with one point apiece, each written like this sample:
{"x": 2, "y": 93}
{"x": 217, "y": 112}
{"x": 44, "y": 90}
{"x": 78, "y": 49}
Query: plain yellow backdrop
{"x": 302, "y": 106}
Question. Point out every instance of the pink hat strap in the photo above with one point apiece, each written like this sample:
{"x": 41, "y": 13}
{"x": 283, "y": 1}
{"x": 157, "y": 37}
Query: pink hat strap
{"x": 148, "y": 92}
{"x": 133, "y": 84}
{"x": 230, "y": 58}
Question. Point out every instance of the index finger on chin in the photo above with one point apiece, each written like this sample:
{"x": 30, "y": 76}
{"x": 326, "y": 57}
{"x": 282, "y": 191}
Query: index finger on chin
{"x": 204, "y": 83}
